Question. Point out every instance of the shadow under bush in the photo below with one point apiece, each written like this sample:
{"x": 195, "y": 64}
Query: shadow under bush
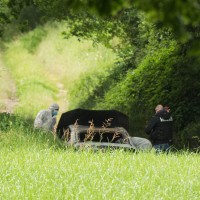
{"x": 189, "y": 137}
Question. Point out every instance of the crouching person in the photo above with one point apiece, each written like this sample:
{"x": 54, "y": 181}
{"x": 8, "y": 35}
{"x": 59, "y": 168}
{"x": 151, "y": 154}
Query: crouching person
{"x": 46, "y": 119}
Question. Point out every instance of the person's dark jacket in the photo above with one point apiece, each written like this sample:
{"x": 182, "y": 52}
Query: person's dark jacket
{"x": 160, "y": 128}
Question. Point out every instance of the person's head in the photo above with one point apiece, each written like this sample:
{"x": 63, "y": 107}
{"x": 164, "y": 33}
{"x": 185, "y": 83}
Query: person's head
{"x": 167, "y": 108}
{"x": 158, "y": 108}
{"x": 54, "y": 109}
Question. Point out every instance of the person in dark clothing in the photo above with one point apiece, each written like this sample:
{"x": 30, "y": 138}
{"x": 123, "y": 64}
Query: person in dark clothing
{"x": 160, "y": 129}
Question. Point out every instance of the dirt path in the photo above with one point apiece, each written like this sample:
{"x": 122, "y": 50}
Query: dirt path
{"x": 8, "y": 98}
{"x": 62, "y": 96}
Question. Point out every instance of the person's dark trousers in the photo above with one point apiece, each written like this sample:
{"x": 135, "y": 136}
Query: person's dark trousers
{"x": 162, "y": 147}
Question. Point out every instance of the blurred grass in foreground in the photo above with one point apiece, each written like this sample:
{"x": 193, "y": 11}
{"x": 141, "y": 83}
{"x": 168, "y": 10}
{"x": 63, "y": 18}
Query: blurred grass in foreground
{"x": 36, "y": 165}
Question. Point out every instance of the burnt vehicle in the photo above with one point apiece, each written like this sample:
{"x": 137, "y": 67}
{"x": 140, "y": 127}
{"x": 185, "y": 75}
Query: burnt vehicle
{"x": 82, "y": 137}
{"x": 96, "y": 129}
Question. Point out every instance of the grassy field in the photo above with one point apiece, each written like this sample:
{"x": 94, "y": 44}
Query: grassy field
{"x": 36, "y": 165}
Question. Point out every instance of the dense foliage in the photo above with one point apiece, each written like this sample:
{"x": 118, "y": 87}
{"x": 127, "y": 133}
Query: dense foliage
{"x": 154, "y": 67}
{"x": 4, "y": 12}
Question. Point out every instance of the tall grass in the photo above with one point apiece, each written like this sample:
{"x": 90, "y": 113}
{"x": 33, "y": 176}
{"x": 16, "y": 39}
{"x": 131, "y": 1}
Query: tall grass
{"x": 36, "y": 165}
{"x": 32, "y": 167}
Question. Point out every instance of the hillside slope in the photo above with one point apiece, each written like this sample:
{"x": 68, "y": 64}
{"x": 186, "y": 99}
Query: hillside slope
{"x": 45, "y": 66}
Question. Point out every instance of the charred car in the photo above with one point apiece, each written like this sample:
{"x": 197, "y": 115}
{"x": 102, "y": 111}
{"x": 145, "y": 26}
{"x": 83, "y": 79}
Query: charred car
{"x": 96, "y": 129}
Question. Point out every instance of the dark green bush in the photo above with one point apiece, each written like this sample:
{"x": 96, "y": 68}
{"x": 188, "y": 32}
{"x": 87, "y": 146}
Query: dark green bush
{"x": 8, "y": 121}
{"x": 189, "y": 137}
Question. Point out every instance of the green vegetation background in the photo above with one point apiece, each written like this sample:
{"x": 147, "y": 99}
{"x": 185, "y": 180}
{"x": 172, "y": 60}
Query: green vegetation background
{"x": 130, "y": 62}
{"x": 147, "y": 56}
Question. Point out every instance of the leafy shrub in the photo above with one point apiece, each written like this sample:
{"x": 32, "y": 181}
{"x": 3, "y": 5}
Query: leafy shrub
{"x": 189, "y": 136}
{"x": 92, "y": 86}
{"x": 5, "y": 122}
{"x": 9, "y": 121}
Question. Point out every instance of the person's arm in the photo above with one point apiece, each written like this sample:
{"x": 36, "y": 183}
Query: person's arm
{"x": 151, "y": 125}
{"x": 39, "y": 120}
